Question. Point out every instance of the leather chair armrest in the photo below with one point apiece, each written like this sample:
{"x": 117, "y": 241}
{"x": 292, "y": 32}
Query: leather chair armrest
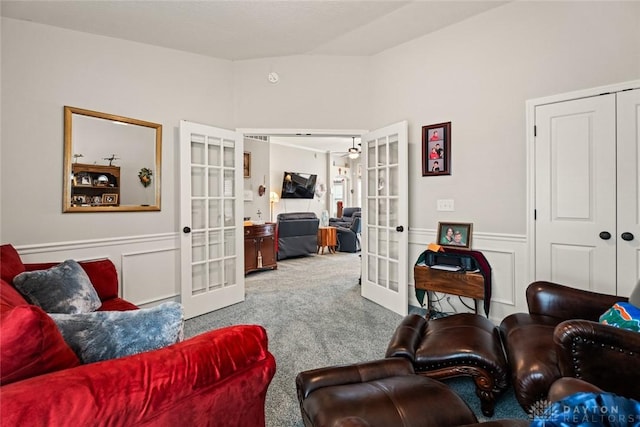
{"x": 407, "y": 337}
{"x": 566, "y": 386}
{"x": 309, "y": 381}
{"x": 605, "y": 356}
{"x": 564, "y": 302}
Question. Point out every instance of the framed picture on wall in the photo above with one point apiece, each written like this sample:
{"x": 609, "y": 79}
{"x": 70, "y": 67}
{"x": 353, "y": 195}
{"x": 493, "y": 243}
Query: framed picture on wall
{"x": 246, "y": 164}
{"x": 455, "y": 234}
{"x": 436, "y": 149}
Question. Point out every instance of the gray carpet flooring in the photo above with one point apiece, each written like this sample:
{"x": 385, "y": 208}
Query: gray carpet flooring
{"x": 315, "y": 317}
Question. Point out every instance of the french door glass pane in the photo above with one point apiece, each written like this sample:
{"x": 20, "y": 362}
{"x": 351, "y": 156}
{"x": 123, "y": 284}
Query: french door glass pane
{"x": 214, "y": 182}
{"x": 382, "y": 272}
{"x": 372, "y": 159}
{"x": 383, "y": 185}
{"x": 198, "y": 181}
{"x": 214, "y": 152}
{"x": 372, "y": 243}
{"x": 382, "y": 212}
{"x": 215, "y": 213}
{"x": 229, "y": 213}
{"x": 371, "y": 271}
{"x": 198, "y": 212}
{"x": 215, "y": 274}
{"x": 229, "y": 242}
{"x": 382, "y": 151}
{"x": 197, "y": 150}
{"x": 382, "y": 242}
{"x": 393, "y": 181}
{"x": 215, "y": 244}
{"x": 229, "y": 271}
{"x": 229, "y": 154}
{"x": 198, "y": 279}
{"x": 198, "y": 248}
{"x": 393, "y": 150}
{"x": 394, "y": 245}
{"x": 372, "y": 217}
{"x": 393, "y": 273}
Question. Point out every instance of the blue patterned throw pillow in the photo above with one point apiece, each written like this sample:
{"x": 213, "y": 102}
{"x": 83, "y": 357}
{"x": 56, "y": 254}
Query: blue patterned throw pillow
{"x": 104, "y": 335}
{"x": 64, "y": 288}
{"x": 622, "y": 315}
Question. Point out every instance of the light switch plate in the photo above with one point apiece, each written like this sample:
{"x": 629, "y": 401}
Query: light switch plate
{"x": 445, "y": 205}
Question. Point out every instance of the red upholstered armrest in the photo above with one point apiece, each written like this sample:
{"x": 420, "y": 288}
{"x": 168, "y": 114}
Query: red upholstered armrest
{"x": 564, "y": 302}
{"x": 189, "y": 383}
{"x": 309, "y": 381}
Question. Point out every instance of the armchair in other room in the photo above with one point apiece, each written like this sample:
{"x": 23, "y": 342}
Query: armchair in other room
{"x": 346, "y": 218}
{"x": 348, "y": 237}
{"x": 297, "y": 234}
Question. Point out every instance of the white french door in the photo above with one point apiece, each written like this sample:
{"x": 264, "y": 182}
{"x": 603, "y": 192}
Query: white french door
{"x": 212, "y": 255}
{"x": 385, "y": 217}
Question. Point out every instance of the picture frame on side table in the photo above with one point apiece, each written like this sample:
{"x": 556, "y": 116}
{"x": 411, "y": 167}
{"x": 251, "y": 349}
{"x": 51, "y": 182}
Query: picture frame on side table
{"x": 436, "y": 149}
{"x": 455, "y": 234}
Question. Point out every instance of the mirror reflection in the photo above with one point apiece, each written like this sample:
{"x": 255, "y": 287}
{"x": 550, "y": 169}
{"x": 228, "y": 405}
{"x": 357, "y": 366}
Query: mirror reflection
{"x": 112, "y": 162}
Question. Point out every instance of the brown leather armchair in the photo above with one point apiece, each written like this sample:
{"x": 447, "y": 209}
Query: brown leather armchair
{"x": 561, "y": 336}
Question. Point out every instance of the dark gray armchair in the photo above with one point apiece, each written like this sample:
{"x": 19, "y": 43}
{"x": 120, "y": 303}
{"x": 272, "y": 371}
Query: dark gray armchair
{"x": 297, "y": 234}
{"x": 346, "y": 219}
{"x": 349, "y": 237}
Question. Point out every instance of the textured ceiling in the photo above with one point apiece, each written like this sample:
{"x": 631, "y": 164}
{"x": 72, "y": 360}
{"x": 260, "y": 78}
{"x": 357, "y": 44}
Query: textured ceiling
{"x": 238, "y": 30}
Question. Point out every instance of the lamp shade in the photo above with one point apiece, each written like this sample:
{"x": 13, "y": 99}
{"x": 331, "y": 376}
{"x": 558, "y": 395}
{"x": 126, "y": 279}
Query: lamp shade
{"x": 273, "y": 197}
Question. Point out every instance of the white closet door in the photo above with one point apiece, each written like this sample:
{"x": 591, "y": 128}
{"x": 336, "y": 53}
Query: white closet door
{"x": 575, "y": 188}
{"x": 628, "y": 190}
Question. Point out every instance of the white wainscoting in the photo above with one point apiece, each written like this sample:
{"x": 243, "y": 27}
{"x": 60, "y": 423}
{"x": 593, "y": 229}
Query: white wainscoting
{"x": 507, "y": 255}
{"x": 148, "y": 266}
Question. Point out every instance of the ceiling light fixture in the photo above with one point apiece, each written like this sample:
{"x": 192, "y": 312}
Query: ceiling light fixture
{"x": 353, "y": 151}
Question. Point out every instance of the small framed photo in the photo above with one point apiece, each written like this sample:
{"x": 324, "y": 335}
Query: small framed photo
{"x": 79, "y": 199}
{"x": 109, "y": 199}
{"x": 246, "y": 164}
{"x": 455, "y": 234}
{"x": 436, "y": 149}
{"x": 83, "y": 179}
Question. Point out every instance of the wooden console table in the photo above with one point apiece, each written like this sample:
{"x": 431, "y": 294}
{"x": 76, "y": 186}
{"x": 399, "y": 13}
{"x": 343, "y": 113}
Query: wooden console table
{"x": 327, "y": 236}
{"x": 259, "y": 247}
{"x": 470, "y": 285}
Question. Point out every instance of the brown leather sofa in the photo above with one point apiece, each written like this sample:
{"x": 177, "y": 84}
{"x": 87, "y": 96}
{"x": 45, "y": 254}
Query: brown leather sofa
{"x": 560, "y": 336}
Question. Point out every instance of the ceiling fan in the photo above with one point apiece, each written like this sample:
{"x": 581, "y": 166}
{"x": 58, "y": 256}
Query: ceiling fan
{"x": 353, "y": 152}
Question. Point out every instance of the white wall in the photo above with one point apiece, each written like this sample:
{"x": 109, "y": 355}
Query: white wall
{"x": 45, "y": 68}
{"x": 286, "y": 158}
{"x": 478, "y": 75}
{"x": 317, "y": 92}
{"x": 259, "y": 176}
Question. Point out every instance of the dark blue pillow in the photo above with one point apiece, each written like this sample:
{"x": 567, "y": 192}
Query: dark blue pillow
{"x": 106, "y": 335}
{"x": 64, "y": 288}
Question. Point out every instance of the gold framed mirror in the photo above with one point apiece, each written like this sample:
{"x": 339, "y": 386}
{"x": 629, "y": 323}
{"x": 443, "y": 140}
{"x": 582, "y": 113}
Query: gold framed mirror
{"x": 111, "y": 163}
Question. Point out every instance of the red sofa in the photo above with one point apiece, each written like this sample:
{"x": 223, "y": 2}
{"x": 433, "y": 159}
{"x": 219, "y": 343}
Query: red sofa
{"x": 217, "y": 378}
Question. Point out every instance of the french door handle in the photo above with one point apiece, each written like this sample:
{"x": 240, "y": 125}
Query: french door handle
{"x": 627, "y": 236}
{"x": 400, "y": 228}
{"x": 186, "y": 230}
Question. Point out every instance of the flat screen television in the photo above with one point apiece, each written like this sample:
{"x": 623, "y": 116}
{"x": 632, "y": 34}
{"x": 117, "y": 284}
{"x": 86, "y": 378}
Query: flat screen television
{"x": 297, "y": 185}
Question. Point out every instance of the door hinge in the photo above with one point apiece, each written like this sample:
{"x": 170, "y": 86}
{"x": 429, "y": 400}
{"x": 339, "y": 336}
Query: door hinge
{"x": 535, "y": 131}
{"x": 535, "y": 214}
